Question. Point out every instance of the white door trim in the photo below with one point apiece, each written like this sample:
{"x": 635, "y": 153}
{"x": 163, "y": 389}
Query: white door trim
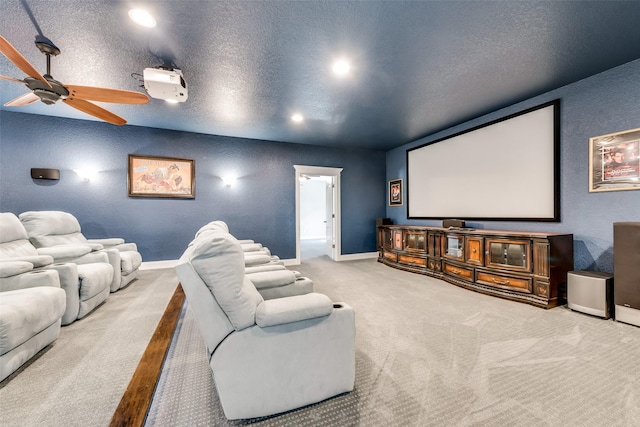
{"x": 323, "y": 171}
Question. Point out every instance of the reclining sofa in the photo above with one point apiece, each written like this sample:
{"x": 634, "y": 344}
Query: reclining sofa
{"x": 55, "y": 228}
{"x": 85, "y": 283}
{"x": 31, "y": 309}
{"x": 266, "y": 357}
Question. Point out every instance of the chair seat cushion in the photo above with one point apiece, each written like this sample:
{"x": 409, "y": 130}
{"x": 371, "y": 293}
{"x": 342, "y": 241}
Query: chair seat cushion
{"x": 130, "y": 261}
{"x": 27, "y": 312}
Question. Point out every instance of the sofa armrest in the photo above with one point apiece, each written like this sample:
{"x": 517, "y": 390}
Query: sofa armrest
{"x": 37, "y": 260}
{"x": 293, "y": 309}
{"x": 271, "y": 279}
{"x": 115, "y": 243}
{"x": 107, "y": 242}
{"x": 13, "y": 268}
{"x": 30, "y": 279}
{"x": 65, "y": 251}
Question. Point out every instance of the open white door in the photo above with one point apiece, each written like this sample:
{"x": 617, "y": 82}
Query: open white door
{"x": 330, "y": 218}
{"x": 301, "y": 170}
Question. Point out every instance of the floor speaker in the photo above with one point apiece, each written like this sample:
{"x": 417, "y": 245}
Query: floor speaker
{"x": 626, "y": 262}
{"x": 590, "y": 292}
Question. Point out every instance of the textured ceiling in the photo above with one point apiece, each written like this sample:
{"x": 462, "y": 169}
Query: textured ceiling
{"x": 417, "y": 67}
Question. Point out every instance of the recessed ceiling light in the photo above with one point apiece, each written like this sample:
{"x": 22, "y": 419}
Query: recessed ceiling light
{"x": 142, "y": 17}
{"x": 341, "y": 67}
{"x": 297, "y": 117}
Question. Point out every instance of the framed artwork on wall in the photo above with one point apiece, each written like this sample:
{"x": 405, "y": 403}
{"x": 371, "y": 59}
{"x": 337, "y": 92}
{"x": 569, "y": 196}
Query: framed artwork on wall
{"x": 614, "y": 161}
{"x": 395, "y": 192}
{"x": 151, "y": 176}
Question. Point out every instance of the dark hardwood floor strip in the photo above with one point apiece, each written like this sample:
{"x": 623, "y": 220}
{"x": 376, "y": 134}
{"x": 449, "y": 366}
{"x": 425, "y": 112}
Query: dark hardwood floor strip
{"x": 135, "y": 402}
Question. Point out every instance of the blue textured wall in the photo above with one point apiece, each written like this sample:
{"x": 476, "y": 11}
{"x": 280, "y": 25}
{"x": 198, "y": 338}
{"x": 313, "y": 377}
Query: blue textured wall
{"x": 606, "y": 103}
{"x": 260, "y": 206}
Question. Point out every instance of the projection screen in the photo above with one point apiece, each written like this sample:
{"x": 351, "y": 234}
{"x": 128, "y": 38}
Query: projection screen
{"x": 507, "y": 169}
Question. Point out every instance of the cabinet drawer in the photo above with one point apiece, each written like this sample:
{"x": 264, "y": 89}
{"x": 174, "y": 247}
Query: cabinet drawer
{"x": 505, "y": 282}
{"x": 412, "y": 260}
{"x": 390, "y": 256}
{"x": 461, "y": 272}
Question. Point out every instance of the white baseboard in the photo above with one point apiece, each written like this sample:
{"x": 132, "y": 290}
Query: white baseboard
{"x": 291, "y": 261}
{"x": 355, "y": 257}
{"x": 154, "y": 265}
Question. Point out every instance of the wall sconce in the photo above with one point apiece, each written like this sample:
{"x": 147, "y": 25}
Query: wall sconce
{"x": 42, "y": 173}
{"x": 228, "y": 180}
{"x": 86, "y": 174}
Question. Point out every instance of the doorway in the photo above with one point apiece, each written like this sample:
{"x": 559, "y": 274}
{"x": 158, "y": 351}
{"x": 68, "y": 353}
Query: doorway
{"x": 317, "y": 212}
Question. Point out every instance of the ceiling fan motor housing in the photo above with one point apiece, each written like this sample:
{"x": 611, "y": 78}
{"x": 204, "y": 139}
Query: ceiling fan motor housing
{"x": 48, "y": 95}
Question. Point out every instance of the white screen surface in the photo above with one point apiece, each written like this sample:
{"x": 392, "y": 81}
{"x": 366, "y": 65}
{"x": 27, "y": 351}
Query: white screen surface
{"x": 503, "y": 170}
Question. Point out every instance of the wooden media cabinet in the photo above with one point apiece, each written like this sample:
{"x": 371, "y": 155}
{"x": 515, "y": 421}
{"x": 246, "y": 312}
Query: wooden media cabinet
{"x": 529, "y": 267}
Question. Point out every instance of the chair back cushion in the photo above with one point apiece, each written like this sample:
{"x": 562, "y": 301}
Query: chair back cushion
{"x": 51, "y": 228}
{"x": 213, "y": 225}
{"x": 14, "y": 241}
{"x": 218, "y": 259}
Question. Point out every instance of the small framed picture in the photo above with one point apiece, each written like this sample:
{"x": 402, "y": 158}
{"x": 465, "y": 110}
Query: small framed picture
{"x": 151, "y": 176}
{"x": 395, "y": 192}
{"x": 614, "y": 161}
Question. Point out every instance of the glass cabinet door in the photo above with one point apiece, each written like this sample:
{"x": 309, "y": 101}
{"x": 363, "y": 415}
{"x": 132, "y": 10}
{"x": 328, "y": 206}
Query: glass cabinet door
{"x": 509, "y": 254}
{"x": 454, "y": 246}
{"x": 415, "y": 241}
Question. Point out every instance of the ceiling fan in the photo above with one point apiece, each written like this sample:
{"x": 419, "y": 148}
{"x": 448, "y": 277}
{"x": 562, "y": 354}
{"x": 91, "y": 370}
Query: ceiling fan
{"x": 48, "y": 90}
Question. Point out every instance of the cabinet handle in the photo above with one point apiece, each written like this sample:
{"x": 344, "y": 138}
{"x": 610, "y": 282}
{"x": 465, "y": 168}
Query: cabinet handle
{"x": 506, "y": 282}
{"x": 473, "y": 250}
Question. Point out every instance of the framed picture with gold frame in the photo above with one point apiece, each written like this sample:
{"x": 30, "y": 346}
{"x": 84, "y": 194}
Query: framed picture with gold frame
{"x": 151, "y": 176}
{"x": 614, "y": 161}
{"x": 395, "y": 192}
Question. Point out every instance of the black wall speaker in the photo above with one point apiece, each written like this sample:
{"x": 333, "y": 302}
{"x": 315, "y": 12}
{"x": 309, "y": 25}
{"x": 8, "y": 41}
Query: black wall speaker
{"x": 383, "y": 221}
{"x": 457, "y": 223}
{"x": 39, "y": 173}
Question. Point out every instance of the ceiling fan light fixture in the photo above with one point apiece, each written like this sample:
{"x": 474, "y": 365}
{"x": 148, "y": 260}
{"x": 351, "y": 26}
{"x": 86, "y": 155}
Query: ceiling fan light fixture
{"x": 142, "y": 17}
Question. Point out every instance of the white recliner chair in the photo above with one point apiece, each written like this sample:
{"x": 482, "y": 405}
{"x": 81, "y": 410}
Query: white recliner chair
{"x": 266, "y": 357}
{"x": 56, "y": 228}
{"x": 86, "y": 284}
{"x": 254, "y": 253}
{"x": 267, "y": 272}
{"x": 31, "y": 309}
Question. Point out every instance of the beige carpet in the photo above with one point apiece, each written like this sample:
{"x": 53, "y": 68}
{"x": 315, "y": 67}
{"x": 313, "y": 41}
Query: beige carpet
{"x": 429, "y": 353}
{"x": 80, "y": 379}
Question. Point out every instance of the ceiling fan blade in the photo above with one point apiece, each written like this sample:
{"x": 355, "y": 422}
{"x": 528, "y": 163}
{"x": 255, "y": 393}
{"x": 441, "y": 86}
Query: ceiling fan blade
{"x": 20, "y": 61}
{"x": 107, "y": 95}
{"x": 25, "y": 99}
{"x": 94, "y": 110}
{"x": 11, "y": 79}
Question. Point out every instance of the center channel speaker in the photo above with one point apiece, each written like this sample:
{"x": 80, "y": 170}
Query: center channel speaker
{"x": 455, "y": 223}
